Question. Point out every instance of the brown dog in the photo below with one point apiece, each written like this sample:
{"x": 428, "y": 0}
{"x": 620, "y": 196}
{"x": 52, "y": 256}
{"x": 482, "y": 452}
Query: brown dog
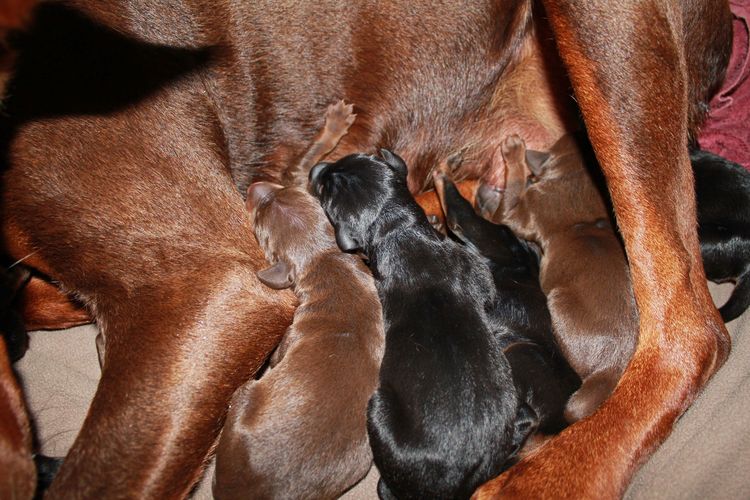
{"x": 17, "y": 471}
{"x": 299, "y": 432}
{"x": 18, "y": 474}
{"x": 583, "y": 269}
{"x": 133, "y": 129}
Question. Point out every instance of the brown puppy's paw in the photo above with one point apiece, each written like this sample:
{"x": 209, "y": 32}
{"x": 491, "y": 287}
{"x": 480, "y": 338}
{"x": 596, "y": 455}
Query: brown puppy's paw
{"x": 513, "y": 149}
{"x": 339, "y": 117}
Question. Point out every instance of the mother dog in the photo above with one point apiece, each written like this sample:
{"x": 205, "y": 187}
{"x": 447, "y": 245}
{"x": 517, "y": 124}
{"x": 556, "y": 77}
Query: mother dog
{"x": 132, "y": 128}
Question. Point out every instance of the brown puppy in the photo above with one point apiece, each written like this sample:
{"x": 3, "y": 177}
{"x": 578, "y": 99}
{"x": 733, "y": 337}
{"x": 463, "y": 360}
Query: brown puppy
{"x": 133, "y": 129}
{"x": 551, "y": 199}
{"x": 300, "y": 431}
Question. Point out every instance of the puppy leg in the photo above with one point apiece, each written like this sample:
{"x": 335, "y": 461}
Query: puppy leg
{"x": 635, "y": 106}
{"x": 339, "y": 118}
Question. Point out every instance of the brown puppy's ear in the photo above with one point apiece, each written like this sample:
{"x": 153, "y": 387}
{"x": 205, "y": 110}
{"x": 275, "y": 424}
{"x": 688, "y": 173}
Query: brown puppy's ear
{"x": 345, "y": 241}
{"x": 258, "y": 191}
{"x": 278, "y": 276}
{"x": 394, "y": 161}
{"x": 536, "y": 160}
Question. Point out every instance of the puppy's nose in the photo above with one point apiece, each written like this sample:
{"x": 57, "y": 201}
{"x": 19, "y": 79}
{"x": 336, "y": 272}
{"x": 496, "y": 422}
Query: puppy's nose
{"x": 315, "y": 173}
{"x": 258, "y": 191}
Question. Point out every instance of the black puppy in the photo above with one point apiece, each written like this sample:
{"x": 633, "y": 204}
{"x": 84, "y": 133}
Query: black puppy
{"x": 446, "y": 416}
{"x": 722, "y": 191}
{"x": 543, "y": 378}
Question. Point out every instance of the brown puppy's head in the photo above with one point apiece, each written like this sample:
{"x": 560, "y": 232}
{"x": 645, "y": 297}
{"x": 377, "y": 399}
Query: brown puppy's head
{"x": 291, "y": 228}
{"x": 557, "y": 183}
{"x": 564, "y": 157}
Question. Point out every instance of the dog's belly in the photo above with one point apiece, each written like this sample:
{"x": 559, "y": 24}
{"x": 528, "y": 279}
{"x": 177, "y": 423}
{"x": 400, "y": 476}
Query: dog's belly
{"x": 429, "y": 81}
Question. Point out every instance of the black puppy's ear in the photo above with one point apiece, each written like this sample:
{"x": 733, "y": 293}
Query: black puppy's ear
{"x": 345, "y": 241}
{"x": 316, "y": 170}
{"x": 536, "y": 160}
{"x": 526, "y": 424}
{"x": 394, "y": 161}
{"x": 278, "y": 276}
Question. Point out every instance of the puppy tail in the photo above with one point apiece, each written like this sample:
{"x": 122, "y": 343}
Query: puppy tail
{"x": 739, "y": 300}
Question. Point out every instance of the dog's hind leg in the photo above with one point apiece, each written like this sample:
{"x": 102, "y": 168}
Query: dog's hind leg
{"x": 144, "y": 223}
{"x": 627, "y": 62}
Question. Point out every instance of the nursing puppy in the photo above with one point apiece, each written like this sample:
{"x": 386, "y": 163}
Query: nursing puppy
{"x": 299, "y": 432}
{"x": 520, "y": 317}
{"x": 446, "y": 416}
{"x": 722, "y": 191}
{"x": 551, "y": 199}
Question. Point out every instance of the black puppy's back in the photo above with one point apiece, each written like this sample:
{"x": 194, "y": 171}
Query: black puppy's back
{"x": 722, "y": 191}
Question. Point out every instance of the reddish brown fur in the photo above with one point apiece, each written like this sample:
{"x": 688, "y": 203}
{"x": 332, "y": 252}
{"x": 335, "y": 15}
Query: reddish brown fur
{"x": 17, "y": 471}
{"x": 45, "y": 307}
{"x": 14, "y": 14}
{"x": 632, "y": 103}
{"x": 300, "y": 431}
{"x": 129, "y": 190}
{"x": 430, "y": 202}
{"x": 583, "y": 268}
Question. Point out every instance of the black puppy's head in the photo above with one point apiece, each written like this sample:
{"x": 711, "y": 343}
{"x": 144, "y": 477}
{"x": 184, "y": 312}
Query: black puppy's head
{"x": 353, "y": 192}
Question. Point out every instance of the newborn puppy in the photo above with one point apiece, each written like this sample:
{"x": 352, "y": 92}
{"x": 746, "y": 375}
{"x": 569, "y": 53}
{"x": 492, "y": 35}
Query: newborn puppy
{"x": 551, "y": 199}
{"x": 520, "y": 317}
{"x": 446, "y": 416}
{"x": 300, "y": 431}
{"x": 722, "y": 191}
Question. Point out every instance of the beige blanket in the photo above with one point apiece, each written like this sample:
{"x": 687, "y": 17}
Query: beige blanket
{"x": 707, "y": 455}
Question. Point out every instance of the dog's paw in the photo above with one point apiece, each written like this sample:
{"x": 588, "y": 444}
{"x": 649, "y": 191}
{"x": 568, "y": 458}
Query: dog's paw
{"x": 339, "y": 117}
{"x": 513, "y": 149}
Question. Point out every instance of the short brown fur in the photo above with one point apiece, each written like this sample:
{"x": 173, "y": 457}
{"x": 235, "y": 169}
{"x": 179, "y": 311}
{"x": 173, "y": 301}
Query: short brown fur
{"x": 129, "y": 190}
{"x": 583, "y": 269}
{"x": 299, "y": 432}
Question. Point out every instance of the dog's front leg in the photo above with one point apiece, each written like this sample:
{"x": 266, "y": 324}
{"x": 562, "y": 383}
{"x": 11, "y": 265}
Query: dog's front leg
{"x": 633, "y": 79}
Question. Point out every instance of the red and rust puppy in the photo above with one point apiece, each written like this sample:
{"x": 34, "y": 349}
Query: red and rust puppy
{"x": 132, "y": 131}
{"x": 300, "y": 431}
{"x": 583, "y": 272}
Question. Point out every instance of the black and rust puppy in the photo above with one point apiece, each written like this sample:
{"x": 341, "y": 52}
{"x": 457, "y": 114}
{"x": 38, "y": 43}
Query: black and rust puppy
{"x": 722, "y": 190}
{"x": 446, "y": 416}
{"x": 544, "y": 379}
